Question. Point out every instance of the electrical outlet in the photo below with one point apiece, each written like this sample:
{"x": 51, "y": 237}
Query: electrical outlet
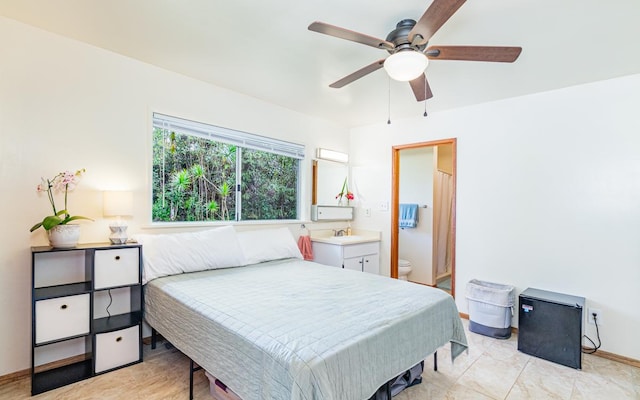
{"x": 367, "y": 212}
{"x": 383, "y": 206}
{"x": 598, "y": 314}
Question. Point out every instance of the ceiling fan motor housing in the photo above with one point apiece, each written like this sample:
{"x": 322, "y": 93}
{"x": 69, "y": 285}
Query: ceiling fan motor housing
{"x": 400, "y": 37}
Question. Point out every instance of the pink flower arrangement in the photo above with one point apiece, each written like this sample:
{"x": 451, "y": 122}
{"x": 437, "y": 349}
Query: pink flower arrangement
{"x": 345, "y": 193}
{"x": 63, "y": 182}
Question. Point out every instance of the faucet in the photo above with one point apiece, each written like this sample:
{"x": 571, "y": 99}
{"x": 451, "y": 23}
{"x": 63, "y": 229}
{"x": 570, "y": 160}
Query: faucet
{"x": 340, "y": 232}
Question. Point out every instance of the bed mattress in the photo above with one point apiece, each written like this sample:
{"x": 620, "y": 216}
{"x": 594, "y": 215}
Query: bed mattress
{"x": 294, "y": 329}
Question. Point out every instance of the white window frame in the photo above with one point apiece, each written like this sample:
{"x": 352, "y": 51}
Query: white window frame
{"x": 241, "y": 140}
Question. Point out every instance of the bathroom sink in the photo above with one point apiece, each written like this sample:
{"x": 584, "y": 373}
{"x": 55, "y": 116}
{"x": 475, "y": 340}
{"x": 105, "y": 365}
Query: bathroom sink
{"x": 347, "y": 239}
{"x": 359, "y": 237}
{"x": 352, "y": 238}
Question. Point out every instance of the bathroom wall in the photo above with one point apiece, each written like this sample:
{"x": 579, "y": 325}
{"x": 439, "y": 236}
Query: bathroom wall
{"x": 416, "y": 186}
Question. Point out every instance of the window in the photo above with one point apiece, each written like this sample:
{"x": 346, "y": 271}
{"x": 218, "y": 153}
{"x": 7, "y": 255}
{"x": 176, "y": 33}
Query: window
{"x": 204, "y": 172}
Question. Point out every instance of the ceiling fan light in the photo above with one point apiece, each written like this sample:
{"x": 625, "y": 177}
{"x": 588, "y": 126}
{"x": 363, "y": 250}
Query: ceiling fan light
{"x": 406, "y": 65}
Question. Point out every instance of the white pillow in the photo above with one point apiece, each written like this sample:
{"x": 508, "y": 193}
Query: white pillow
{"x": 175, "y": 253}
{"x": 268, "y": 244}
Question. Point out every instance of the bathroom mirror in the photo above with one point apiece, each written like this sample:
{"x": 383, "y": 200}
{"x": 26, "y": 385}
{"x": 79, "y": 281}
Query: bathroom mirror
{"x": 327, "y": 180}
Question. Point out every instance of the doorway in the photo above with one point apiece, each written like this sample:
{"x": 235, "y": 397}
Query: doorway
{"x": 430, "y": 170}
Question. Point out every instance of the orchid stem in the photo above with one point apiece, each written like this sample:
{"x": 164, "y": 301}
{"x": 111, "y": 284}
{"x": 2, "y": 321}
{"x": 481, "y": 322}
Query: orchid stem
{"x": 50, "y": 194}
{"x": 66, "y": 187}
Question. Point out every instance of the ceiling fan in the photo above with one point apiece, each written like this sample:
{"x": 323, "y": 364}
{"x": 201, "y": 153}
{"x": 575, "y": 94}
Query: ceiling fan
{"x": 408, "y": 47}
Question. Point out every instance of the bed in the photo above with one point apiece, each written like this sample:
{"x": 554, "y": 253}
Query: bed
{"x": 287, "y": 328}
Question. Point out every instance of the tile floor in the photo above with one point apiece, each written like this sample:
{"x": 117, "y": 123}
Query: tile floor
{"x": 492, "y": 370}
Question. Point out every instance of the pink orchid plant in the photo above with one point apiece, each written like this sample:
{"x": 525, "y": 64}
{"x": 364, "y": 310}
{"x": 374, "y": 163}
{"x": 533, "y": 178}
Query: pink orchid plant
{"x": 63, "y": 182}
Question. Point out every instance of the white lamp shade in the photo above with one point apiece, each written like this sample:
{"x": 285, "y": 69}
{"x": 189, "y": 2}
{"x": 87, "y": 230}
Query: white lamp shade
{"x": 117, "y": 204}
{"x": 406, "y": 65}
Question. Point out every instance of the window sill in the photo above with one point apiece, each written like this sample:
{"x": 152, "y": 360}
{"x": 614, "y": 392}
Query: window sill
{"x": 212, "y": 224}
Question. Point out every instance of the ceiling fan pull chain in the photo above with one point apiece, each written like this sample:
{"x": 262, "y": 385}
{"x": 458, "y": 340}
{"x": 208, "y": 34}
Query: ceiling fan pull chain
{"x": 425, "y": 98}
{"x": 389, "y": 102}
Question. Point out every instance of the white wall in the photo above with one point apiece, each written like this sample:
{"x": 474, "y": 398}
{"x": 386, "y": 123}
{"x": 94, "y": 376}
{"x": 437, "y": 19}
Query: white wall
{"x": 67, "y": 105}
{"x": 548, "y": 195}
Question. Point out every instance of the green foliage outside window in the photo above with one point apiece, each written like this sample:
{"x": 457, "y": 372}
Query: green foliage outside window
{"x": 269, "y": 183}
{"x": 194, "y": 179}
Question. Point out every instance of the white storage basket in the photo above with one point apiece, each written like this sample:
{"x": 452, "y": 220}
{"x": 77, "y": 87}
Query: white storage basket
{"x": 490, "y": 308}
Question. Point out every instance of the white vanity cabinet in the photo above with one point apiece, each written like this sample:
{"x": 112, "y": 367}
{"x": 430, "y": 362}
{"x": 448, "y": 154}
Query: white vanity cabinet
{"x": 364, "y": 256}
{"x": 87, "y": 312}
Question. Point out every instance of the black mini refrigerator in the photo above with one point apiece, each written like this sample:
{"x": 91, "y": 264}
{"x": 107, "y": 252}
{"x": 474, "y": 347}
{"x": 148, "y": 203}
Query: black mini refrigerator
{"x": 550, "y": 326}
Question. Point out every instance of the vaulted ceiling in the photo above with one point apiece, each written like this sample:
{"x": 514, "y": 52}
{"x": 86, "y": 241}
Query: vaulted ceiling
{"x": 263, "y": 48}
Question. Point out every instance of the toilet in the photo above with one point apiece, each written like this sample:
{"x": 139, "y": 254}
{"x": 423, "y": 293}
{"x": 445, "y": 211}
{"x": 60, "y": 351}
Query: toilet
{"x": 404, "y": 268}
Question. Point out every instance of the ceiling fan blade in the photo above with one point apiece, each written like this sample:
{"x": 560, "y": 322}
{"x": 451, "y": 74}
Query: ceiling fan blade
{"x": 436, "y": 15}
{"x": 342, "y": 33}
{"x": 358, "y": 74}
{"x": 473, "y": 53}
{"x": 421, "y": 88}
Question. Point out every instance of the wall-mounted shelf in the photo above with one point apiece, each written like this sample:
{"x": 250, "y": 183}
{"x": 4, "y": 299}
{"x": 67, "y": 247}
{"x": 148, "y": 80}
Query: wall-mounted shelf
{"x": 331, "y": 213}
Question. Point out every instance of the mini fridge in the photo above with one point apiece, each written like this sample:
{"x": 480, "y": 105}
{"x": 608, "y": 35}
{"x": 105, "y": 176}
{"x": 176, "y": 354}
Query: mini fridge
{"x": 550, "y": 326}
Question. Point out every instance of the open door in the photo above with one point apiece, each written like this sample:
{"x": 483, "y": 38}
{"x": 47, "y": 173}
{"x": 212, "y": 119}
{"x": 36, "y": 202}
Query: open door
{"x": 436, "y": 267}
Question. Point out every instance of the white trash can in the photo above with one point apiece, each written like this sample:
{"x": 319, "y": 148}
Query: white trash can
{"x": 490, "y": 308}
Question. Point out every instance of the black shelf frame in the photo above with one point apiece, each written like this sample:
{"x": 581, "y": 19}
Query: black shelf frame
{"x": 116, "y": 322}
{"x": 84, "y": 246}
{"x": 57, "y": 377}
{"x": 43, "y": 378}
{"x": 64, "y": 339}
{"x": 70, "y": 289}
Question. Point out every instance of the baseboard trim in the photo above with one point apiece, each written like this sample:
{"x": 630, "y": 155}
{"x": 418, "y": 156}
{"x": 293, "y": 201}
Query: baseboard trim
{"x": 600, "y": 353}
{"x": 618, "y": 358}
{"x": 14, "y": 376}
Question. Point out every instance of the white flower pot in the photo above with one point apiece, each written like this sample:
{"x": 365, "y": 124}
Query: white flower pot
{"x": 64, "y": 236}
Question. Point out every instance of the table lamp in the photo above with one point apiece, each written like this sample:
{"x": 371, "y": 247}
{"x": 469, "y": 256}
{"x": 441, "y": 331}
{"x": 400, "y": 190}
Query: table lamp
{"x": 118, "y": 204}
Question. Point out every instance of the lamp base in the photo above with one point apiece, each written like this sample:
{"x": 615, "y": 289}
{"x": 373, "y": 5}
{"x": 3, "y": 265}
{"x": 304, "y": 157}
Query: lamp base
{"x": 118, "y": 234}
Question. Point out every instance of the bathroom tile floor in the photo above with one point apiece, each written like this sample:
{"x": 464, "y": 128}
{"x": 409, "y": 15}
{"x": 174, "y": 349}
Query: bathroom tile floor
{"x": 494, "y": 369}
{"x": 491, "y": 370}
